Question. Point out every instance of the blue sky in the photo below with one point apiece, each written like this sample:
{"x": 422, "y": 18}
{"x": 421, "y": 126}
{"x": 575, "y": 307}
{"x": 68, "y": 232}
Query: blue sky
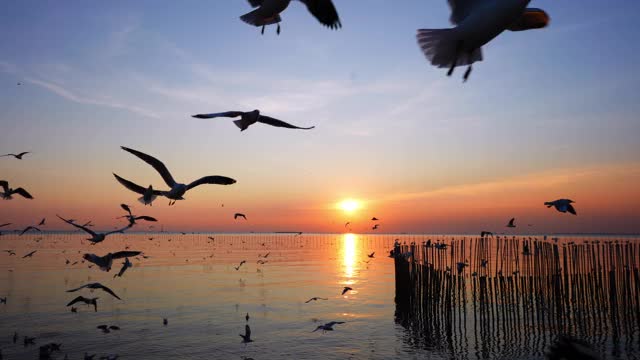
{"x": 97, "y": 75}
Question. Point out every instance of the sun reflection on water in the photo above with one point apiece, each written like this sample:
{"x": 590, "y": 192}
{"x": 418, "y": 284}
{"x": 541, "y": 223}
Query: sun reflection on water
{"x": 349, "y": 247}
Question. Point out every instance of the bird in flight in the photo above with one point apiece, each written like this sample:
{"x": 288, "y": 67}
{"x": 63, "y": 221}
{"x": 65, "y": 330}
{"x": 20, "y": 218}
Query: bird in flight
{"x": 315, "y": 298}
{"x": 478, "y": 22}
{"x": 42, "y": 222}
{"x": 346, "y": 288}
{"x": 96, "y": 286}
{"x": 30, "y": 254}
{"x": 511, "y": 223}
{"x": 237, "y": 215}
{"x": 132, "y": 218}
{"x": 10, "y": 252}
{"x": 268, "y": 13}
{"x": 372, "y": 255}
{"x": 3, "y": 300}
{"x": 17, "y": 156}
{"x": 8, "y": 192}
{"x": 485, "y": 233}
{"x": 328, "y": 326}
{"x": 125, "y": 265}
{"x": 87, "y": 301}
{"x": 249, "y": 118}
{"x": 95, "y": 237}
{"x": 562, "y": 205}
{"x": 238, "y": 267}
{"x": 105, "y": 262}
{"x": 28, "y": 228}
{"x": 375, "y": 227}
{"x": 374, "y": 219}
{"x": 246, "y": 338}
{"x": 177, "y": 189}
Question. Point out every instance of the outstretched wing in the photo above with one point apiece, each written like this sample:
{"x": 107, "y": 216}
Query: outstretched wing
{"x": 324, "y": 11}
{"x": 87, "y": 230}
{"x": 461, "y": 9}
{"x": 125, "y": 254}
{"x": 23, "y": 192}
{"x": 106, "y": 289}
{"x": 76, "y": 289}
{"x": 146, "y": 218}
{"x": 22, "y": 154}
{"x": 76, "y": 300}
{"x": 126, "y": 207}
{"x": 571, "y": 209}
{"x": 279, "y": 123}
{"x": 155, "y": 163}
{"x": 5, "y": 185}
{"x": 229, "y": 114}
{"x": 29, "y": 228}
{"x": 121, "y": 231}
{"x": 2, "y": 225}
{"x": 217, "y": 180}
{"x": 134, "y": 187}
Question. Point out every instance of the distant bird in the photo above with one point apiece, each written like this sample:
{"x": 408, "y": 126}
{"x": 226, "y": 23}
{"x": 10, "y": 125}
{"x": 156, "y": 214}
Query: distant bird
{"x": 237, "y": 215}
{"x": 347, "y": 223}
{"x": 177, "y": 189}
{"x": 42, "y": 222}
{"x": 247, "y": 317}
{"x": 165, "y": 321}
{"x": 95, "y": 237}
{"x": 132, "y": 218}
{"x": 328, "y": 326}
{"x": 10, "y": 252}
{"x": 17, "y": 156}
{"x": 8, "y": 192}
{"x": 87, "y": 301}
{"x": 246, "y": 338}
{"x": 249, "y": 118}
{"x": 375, "y": 227}
{"x": 125, "y": 265}
{"x": 562, "y": 205}
{"x": 478, "y": 22}
{"x": 511, "y": 223}
{"x": 6, "y": 224}
{"x": 372, "y": 254}
{"x": 96, "y": 286}
{"x": 315, "y": 298}
{"x": 241, "y": 262}
{"x": 28, "y": 228}
{"x": 346, "y": 288}
{"x": 30, "y": 254}
{"x": 486, "y": 233}
{"x": 74, "y": 309}
{"x": 3, "y": 300}
{"x": 268, "y": 13}
{"x": 374, "y": 219}
{"x": 105, "y": 262}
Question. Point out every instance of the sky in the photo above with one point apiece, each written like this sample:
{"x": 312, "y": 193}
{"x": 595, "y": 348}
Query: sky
{"x": 548, "y": 114}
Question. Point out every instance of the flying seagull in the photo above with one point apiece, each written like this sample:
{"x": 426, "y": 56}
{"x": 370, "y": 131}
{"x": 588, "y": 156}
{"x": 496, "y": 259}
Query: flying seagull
{"x": 87, "y": 301}
{"x": 42, "y": 222}
{"x": 478, "y": 22}
{"x": 6, "y": 224}
{"x": 95, "y": 237}
{"x": 347, "y": 223}
{"x": 96, "y": 286}
{"x": 237, "y": 215}
{"x": 3, "y": 300}
{"x": 132, "y": 218}
{"x": 371, "y": 255}
{"x": 268, "y": 13}
{"x": 375, "y": 227}
{"x": 29, "y": 228}
{"x": 177, "y": 189}
{"x": 241, "y": 262}
{"x": 125, "y": 265}
{"x": 374, "y": 219}
{"x": 328, "y": 326}
{"x": 246, "y": 338}
{"x": 346, "y": 288}
{"x": 105, "y": 262}
{"x": 10, "y": 252}
{"x": 562, "y": 205}
{"x": 8, "y": 192}
{"x": 315, "y": 298}
{"x": 30, "y": 254}
{"x": 249, "y": 118}
{"x": 511, "y": 223}
{"x": 17, "y": 156}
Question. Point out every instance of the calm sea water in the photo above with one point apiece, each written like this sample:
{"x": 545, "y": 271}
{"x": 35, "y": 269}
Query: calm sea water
{"x": 191, "y": 281}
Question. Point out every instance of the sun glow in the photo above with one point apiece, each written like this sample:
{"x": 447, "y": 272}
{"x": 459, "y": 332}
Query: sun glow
{"x": 349, "y": 205}
{"x": 349, "y": 255}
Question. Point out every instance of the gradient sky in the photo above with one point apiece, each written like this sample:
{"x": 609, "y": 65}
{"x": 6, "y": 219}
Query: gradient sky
{"x": 549, "y": 114}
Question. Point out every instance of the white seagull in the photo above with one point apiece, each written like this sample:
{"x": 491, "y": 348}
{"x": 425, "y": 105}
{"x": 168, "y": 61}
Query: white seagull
{"x": 268, "y": 12}
{"x": 478, "y": 22}
{"x": 95, "y": 237}
{"x": 177, "y": 189}
{"x": 562, "y": 205}
{"x": 249, "y": 118}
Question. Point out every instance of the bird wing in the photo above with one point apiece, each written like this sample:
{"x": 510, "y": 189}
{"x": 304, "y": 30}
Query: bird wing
{"x": 324, "y": 11}
{"x": 229, "y": 114}
{"x": 511, "y": 221}
{"x": 23, "y": 192}
{"x": 279, "y": 123}
{"x": 76, "y": 289}
{"x": 247, "y": 331}
{"x": 215, "y": 179}
{"x": 126, "y": 208}
{"x": 310, "y": 300}
{"x": 5, "y": 185}
{"x": 29, "y": 254}
{"x": 461, "y": 9}
{"x": 2, "y": 225}
{"x": 42, "y": 221}
{"x": 125, "y": 254}
{"x": 87, "y": 230}
{"x": 571, "y": 209}
{"x": 29, "y": 228}
{"x": 155, "y": 163}
{"x": 78, "y": 299}
{"x": 146, "y": 218}
{"x": 118, "y": 230}
{"x": 106, "y": 289}
{"x": 22, "y": 154}
{"x": 134, "y": 187}
{"x": 256, "y": 3}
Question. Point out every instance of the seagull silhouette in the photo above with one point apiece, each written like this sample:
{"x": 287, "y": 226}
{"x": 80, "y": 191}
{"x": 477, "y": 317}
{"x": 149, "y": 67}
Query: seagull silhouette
{"x": 562, "y": 205}
{"x": 315, "y": 298}
{"x": 42, "y": 222}
{"x": 177, "y": 190}
{"x": 511, "y": 223}
{"x": 328, "y": 326}
{"x": 268, "y": 13}
{"x": 241, "y": 262}
{"x": 30, "y": 254}
{"x": 17, "y": 156}
{"x": 132, "y": 218}
{"x": 95, "y": 237}
{"x": 96, "y": 286}
{"x": 249, "y": 118}
{"x": 246, "y": 338}
{"x": 105, "y": 262}
{"x": 87, "y": 301}
{"x": 372, "y": 255}
{"x": 346, "y": 288}
{"x": 8, "y": 192}
{"x": 125, "y": 265}
{"x": 28, "y": 228}
{"x": 237, "y": 215}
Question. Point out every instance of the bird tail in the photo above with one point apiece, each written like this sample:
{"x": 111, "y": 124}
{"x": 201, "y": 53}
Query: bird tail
{"x": 440, "y": 46}
{"x": 242, "y": 124}
{"x": 255, "y": 19}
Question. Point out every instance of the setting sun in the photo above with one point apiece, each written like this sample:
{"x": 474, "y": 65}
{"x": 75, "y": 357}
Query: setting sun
{"x": 349, "y": 205}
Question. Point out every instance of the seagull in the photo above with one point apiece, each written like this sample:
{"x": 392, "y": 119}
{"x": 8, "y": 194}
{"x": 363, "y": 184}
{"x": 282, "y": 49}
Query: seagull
{"x": 268, "y": 13}
{"x": 241, "y": 262}
{"x": 511, "y": 223}
{"x": 249, "y": 118}
{"x": 346, "y": 288}
{"x": 95, "y": 237}
{"x": 17, "y": 156}
{"x": 29, "y": 228}
{"x": 42, "y": 222}
{"x": 165, "y": 321}
{"x": 105, "y": 262}
{"x": 132, "y": 218}
{"x": 328, "y": 326}
{"x": 347, "y": 223}
{"x": 478, "y": 22}
{"x": 375, "y": 227}
{"x": 562, "y": 205}
{"x": 96, "y": 286}
{"x": 371, "y": 255}
{"x": 125, "y": 265}
{"x": 237, "y": 215}
{"x": 6, "y": 224}
{"x": 91, "y": 301}
{"x": 374, "y": 219}
{"x": 3, "y": 300}
{"x": 486, "y": 233}
{"x": 8, "y": 192}
{"x": 246, "y": 338}
{"x": 177, "y": 189}
{"x": 315, "y": 298}
{"x": 10, "y": 252}
{"x": 247, "y": 317}
{"x": 30, "y": 254}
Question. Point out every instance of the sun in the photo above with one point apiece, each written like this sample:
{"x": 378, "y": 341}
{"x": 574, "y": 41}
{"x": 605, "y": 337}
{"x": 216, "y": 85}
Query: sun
{"x": 349, "y": 205}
